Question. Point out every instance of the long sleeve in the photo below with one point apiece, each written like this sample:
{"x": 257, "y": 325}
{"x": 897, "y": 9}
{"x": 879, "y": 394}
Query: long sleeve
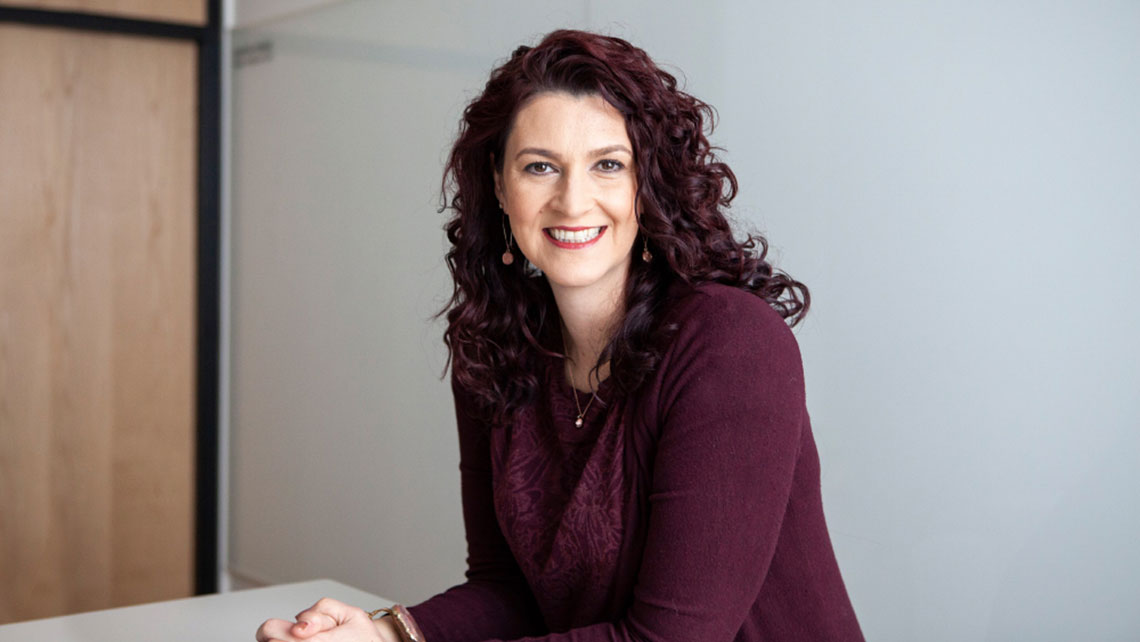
{"x": 495, "y": 601}
{"x": 736, "y": 547}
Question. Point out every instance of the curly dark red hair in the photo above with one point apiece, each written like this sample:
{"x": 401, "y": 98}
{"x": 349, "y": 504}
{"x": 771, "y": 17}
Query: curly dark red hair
{"x": 501, "y": 318}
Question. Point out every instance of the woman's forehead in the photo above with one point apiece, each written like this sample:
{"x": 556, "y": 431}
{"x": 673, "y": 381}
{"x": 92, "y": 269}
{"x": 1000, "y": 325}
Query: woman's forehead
{"x": 567, "y": 122}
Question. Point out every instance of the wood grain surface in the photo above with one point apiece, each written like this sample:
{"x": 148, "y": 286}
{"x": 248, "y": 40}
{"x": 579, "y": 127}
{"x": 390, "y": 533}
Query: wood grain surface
{"x": 185, "y": 11}
{"x": 97, "y": 211}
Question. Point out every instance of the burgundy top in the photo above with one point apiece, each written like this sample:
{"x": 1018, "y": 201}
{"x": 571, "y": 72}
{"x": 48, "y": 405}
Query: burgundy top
{"x": 690, "y": 511}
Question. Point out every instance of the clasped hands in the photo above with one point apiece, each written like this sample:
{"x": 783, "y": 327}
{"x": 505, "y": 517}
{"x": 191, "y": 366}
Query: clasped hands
{"x": 329, "y": 621}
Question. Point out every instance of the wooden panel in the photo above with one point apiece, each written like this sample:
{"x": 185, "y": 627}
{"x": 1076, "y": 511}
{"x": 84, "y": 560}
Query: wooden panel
{"x": 97, "y": 201}
{"x": 184, "y": 11}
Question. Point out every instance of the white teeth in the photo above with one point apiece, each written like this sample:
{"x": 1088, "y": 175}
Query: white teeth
{"x": 577, "y": 236}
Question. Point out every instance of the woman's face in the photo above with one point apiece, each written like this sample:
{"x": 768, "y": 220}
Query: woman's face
{"x": 568, "y": 185}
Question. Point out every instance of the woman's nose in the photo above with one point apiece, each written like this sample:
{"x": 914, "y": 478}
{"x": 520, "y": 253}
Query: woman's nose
{"x": 575, "y": 194}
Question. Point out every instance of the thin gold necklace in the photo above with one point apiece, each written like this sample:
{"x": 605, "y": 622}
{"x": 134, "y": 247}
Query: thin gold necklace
{"x": 581, "y": 410}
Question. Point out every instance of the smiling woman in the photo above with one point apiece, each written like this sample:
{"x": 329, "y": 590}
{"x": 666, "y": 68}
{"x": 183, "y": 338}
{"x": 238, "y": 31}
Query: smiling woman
{"x": 635, "y": 452}
{"x": 568, "y": 186}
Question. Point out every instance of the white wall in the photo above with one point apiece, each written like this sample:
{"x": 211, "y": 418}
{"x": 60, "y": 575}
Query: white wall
{"x": 957, "y": 182}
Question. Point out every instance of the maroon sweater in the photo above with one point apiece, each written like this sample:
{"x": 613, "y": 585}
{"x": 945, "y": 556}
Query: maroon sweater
{"x": 689, "y": 512}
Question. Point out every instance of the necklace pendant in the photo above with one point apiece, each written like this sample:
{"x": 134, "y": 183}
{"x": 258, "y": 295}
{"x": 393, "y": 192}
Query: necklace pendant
{"x": 578, "y": 422}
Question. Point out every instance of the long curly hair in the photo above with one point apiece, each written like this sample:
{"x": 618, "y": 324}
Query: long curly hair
{"x": 502, "y": 319}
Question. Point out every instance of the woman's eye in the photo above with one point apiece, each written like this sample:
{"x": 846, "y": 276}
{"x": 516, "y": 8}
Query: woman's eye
{"x": 608, "y": 165}
{"x": 539, "y": 168}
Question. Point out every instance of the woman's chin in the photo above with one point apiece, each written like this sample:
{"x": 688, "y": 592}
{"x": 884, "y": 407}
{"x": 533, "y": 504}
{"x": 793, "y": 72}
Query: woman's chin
{"x": 582, "y": 279}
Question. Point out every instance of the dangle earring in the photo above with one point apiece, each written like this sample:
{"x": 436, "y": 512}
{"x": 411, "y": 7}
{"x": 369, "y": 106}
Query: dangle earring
{"x": 646, "y": 257}
{"x": 509, "y": 237}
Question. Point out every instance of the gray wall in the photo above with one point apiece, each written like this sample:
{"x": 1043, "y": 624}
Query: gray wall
{"x": 956, "y": 181}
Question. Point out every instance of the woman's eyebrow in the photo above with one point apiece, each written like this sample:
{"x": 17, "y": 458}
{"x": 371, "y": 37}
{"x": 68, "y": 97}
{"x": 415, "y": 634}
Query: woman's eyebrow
{"x": 611, "y": 149}
{"x": 537, "y": 151}
{"x": 546, "y": 153}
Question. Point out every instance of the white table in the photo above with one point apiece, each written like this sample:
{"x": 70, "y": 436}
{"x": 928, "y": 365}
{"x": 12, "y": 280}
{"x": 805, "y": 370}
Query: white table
{"x": 225, "y": 617}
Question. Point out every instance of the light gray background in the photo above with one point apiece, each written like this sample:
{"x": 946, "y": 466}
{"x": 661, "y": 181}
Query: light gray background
{"x": 957, "y": 182}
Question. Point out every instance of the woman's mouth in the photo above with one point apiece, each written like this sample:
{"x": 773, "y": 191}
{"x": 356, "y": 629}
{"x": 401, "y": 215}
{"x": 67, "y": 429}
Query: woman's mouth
{"x": 573, "y": 238}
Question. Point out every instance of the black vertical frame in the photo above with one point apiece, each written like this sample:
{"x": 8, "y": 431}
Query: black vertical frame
{"x": 209, "y": 229}
{"x": 209, "y": 296}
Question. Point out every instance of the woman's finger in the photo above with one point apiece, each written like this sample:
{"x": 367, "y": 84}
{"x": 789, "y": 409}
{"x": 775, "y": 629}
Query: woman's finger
{"x": 274, "y": 630}
{"x": 326, "y": 614}
{"x": 309, "y": 624}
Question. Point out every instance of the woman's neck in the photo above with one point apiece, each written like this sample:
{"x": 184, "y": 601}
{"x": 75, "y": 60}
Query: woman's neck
{"x": 589, "y": 317}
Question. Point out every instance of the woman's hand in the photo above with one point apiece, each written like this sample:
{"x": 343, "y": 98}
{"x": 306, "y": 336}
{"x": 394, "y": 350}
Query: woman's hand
{"x": 329, "y": 621}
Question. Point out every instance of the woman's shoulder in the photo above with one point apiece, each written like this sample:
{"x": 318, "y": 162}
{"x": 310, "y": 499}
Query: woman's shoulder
{"x": 714, "y": 309}
{"x": 729, "y": 329}
{"x": 727, "y": 339}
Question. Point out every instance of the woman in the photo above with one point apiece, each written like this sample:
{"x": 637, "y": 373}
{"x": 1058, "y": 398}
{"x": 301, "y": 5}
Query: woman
{"x": 636, "y": 457}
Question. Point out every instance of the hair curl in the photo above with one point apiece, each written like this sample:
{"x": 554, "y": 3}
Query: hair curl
{"x": 502, "y": 320}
